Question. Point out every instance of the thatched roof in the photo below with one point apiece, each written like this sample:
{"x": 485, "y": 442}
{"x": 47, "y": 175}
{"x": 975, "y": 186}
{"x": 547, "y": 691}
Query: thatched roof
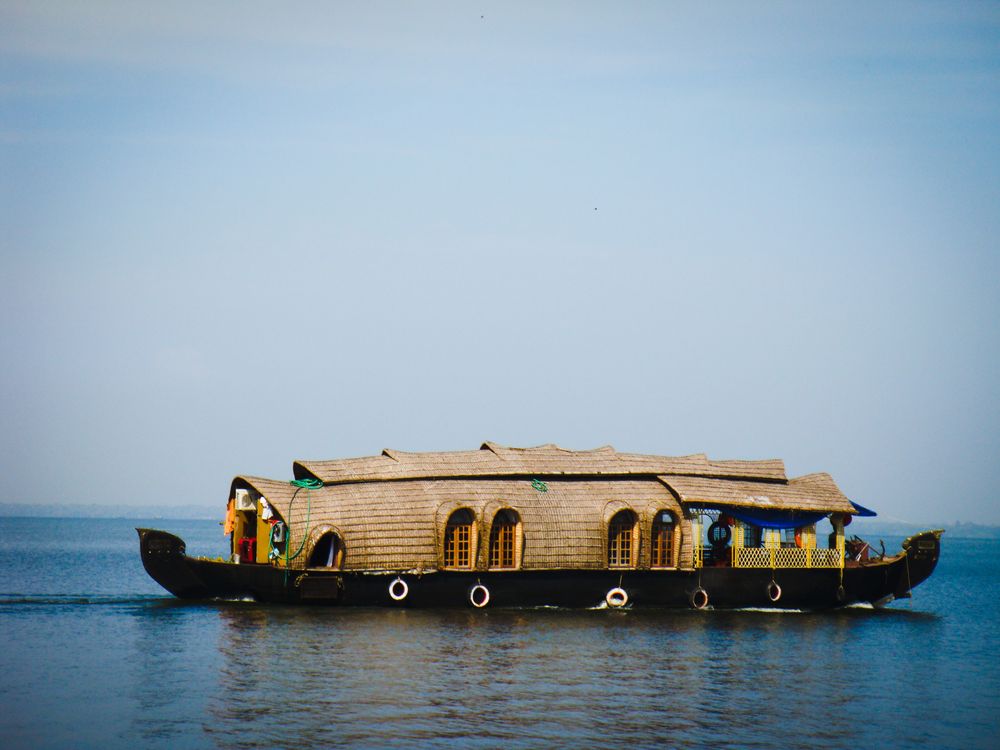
{"x": 813, "y": 493}
{"x": 493, "y": 460}
{"x": 390, "y": 510}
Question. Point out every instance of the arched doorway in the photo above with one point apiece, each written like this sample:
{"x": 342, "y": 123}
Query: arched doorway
{"x": 327, "y": 552}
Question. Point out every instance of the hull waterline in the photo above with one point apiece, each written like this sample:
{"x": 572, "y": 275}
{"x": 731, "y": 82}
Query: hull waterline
{"x": 876, "y": 582}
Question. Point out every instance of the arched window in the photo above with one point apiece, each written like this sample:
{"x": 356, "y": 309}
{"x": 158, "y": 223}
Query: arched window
{"x": 458, "y": 540}
{"x": 503, "y": 540}
{"x": 623, "y": 542}
{"x": 328, "y": 552}
{"x": 662, "y": 540}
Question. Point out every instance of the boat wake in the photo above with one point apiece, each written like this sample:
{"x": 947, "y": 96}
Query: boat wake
{"x": 76, "y": 599}
{"x": 604, "y": 605}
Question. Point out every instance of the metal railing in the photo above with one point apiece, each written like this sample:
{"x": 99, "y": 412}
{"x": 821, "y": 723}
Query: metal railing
{"x": 766, "y": 550}
{"x": 697, "y": 549}
{"x": 790, "y": 557}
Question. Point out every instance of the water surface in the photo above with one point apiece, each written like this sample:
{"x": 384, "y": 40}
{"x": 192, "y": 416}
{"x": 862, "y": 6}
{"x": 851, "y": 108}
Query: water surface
{"x": 99, "y": 656}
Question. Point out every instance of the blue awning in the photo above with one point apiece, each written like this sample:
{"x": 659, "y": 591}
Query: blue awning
{"x": 863, "y": 512}
{"x": 775, "y": 519}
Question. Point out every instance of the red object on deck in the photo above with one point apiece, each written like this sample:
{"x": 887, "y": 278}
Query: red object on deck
{"x": 248, "y": 549}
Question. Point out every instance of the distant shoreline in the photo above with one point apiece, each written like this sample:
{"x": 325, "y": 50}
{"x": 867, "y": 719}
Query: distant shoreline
{"x": 869, "y": 529}
{"x": 94, "y": 510}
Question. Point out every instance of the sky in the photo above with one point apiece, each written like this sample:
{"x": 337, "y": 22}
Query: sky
{"x": 233, "y": 235}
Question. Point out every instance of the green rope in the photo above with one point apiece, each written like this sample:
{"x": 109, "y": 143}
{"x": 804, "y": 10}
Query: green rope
{"x": 299, "y": 484}
{"x": 539, "y": 485}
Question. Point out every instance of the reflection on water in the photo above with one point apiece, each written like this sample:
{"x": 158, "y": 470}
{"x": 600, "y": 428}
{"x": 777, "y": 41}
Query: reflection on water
{"x": 529, "y": 678}
{"x": 163, "y": 647}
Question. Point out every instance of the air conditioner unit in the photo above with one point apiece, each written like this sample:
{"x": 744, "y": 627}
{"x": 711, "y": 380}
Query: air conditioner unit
{"x": 244, "y": 501}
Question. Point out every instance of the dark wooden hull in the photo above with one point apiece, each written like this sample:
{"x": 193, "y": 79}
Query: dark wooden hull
{"x": 877, "y": 582}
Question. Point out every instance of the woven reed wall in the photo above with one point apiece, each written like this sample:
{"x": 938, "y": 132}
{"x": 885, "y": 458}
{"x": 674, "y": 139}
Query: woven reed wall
{"x": 390, "y": 510}
{"x": 399, "y": 525}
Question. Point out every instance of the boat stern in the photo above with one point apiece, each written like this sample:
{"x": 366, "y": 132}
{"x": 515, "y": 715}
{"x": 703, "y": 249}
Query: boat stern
{"x": 164, "y": 556}
{"x": 922, "y": 553}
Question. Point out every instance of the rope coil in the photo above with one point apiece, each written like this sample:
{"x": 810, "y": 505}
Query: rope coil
{"x": 299, "y": 484}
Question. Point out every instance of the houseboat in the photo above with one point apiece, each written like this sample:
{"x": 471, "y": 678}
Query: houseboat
{"x": 542, "y": 526}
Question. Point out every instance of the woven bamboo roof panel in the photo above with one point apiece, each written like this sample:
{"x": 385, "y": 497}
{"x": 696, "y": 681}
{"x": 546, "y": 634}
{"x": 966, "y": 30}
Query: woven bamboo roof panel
{"x": 493, "y": 460}
{"x": 813, "y": 492}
